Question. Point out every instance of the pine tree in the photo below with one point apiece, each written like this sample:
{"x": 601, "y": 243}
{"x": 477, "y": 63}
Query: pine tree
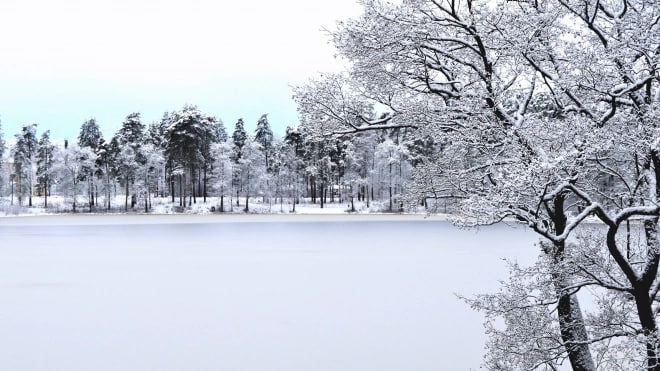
{"x": 250, "y": 168}
{"x": 131, "y": 131}
{"x": 129, "y": 138}
{"x": 24, "y": 156}
{"x": 90, "y": 137}
{"x": 45, "y": 152}
{"x": 295, "y": 140}
{"x": 220, "y": 132}
{"x": 239, "y": 137}
{"x": 264, "y": 136}
{"x": 155, "y": 134}
{"x": 189, "y": 137}
{"x": 90, "y": 134}
{"x": 106, "y": 165}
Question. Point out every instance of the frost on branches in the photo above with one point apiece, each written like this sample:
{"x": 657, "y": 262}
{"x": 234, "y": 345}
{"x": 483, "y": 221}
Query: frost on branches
{"x": 544, "y": 112}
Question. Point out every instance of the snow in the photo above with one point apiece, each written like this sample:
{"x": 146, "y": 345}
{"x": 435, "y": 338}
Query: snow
{"x": 246, "y": 292}
{"x": 58, "y": 205}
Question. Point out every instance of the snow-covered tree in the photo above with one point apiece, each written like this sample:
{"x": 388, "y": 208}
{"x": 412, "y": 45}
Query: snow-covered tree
{"x": 264, "y": 136}
{"x": 476, "y": 77}
{"x": 25, "y": 152}
{"x": 90, "y": 136}
{"x": 239, "y": 136}
{"x": 131, "y": 131}
{"x": 155, "y": 136}
{"x": 220, "y": 132}
{"x": 335, "y": 104}
{"x": 189, "y": 137}
{"x": 222, "y": 170}
{"x": 147, "y": 173}
{"x": 128, "y": 139}
{"x": 45, "y": 164}
{"x": 392, "y": 162}
{"x": 251, "y": 170}
{"x": 294, "y": 141}
{"x": 156, "y": 131}
{"x": 363, "y": 162}
{"x": 70, "y": 164}
{"x": 106, "y": 155}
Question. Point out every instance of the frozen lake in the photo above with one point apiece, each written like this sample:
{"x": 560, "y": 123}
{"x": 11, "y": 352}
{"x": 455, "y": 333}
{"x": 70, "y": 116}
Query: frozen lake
{"x": 246, "y": 292}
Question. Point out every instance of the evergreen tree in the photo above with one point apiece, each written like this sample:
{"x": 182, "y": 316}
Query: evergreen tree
{"x": 189, "y": 137}
{"x": 106, "y": 154}
{"x": 239, "y": 137}
{"x": 161, "y": 130}
{"x": 154, "y": 134}
{"x": 294, "y": 140}
{"x": 250, "y": 168}
{"x": 24, "y": 156}
{"x": 90, "y": 134}
{"x": 155, "y": 137}
{"x": 148, "y": 172}
{"x": 45, "y": 152}
{"x": 129, "y": 138}
{"x": 220, "y": 131}
{"x": 90, "y": 137}
{"x": 264, "y": 136}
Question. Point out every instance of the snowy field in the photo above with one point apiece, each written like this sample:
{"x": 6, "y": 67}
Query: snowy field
{"x": 246, "y": 292}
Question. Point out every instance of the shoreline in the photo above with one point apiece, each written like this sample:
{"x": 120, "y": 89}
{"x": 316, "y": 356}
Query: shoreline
{"x": 120, "y": 219}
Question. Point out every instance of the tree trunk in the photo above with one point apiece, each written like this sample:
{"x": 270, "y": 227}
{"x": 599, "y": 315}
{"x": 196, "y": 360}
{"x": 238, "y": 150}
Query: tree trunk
{"x": 181, "y": 190}
{"x": 391, "y": 206}
{"x": 172, "y": 188}
{"x": 643, "y": 301}
{"x": 205, "y": 182}
{"x": 126, "y": 196}
{"x": 649, "y": 326}
{"x": 46, "y": 193}
{"x": 312, "y": 186}
{"x": 74, "y": 194}
{"x": 571, "y": 322}
{"x": 193, "y": 192}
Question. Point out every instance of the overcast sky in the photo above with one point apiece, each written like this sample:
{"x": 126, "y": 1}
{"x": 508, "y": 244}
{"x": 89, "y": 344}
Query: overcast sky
{"x": 64, "y": 61}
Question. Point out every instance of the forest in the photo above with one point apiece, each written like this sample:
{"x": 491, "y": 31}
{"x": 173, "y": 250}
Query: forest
{"x": 542, "y": 112}
{"x": 188, "y": 156}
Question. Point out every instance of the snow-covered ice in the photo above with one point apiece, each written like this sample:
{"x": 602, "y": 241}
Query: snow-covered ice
{"x": 246, "y": 292}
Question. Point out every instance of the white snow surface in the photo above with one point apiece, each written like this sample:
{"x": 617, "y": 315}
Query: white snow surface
{"x": 246, "y": 292}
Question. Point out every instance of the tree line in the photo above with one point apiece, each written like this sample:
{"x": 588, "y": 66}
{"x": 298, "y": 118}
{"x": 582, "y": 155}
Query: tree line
{"x": 188, "y": 156}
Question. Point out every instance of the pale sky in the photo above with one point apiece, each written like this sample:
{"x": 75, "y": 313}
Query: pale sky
{"x": 64, "y": 61}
